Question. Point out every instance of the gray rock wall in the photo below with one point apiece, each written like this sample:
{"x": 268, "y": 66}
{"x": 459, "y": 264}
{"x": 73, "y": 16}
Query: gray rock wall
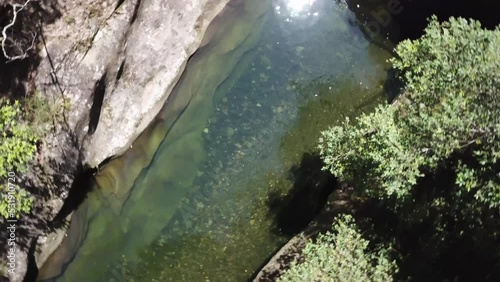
{"x": 118, "y": 65}
{"x": 115, "y": 63}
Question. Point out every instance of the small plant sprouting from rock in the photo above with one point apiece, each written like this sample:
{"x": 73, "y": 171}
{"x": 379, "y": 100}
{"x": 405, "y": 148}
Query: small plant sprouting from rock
{"x": 17, "y": 148}
{"x": 23, "y": 123}
{"x": 341, "y": 255}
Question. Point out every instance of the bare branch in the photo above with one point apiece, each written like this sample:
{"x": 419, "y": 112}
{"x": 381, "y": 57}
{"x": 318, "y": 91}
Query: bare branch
{"x": 24, "y": 53}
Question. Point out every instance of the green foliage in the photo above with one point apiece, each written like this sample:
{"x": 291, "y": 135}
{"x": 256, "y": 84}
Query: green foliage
{"x": 20, "y": 201}
{"x": 43, "y": 114}
{"x": 372, "y": 154}
{"x": 17, "y": 147}
{"x": 449, "y": 113}
{"x": 17, "y": 141}
{"x": 452, "y": 77}
{"x": 341, "y": 256}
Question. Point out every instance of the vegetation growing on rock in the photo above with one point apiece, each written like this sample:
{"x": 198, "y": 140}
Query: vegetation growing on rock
{"x": 17, "y": 148}
{"x": 341, "y": 256}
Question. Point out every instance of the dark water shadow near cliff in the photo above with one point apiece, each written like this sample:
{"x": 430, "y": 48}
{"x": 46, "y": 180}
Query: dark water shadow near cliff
{"x": 310, "y": 191}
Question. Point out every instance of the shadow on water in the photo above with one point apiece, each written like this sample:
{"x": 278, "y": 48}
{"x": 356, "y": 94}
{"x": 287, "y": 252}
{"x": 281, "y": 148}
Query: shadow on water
{"x": 309, "y": 194}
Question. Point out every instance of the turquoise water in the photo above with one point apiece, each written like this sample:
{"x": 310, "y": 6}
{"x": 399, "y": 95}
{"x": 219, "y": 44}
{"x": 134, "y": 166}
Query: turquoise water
{"x": 190, "y": 200}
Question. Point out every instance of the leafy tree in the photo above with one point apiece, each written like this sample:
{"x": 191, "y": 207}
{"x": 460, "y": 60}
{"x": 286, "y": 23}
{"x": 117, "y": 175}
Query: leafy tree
{"x": 341, "y": 256}
{"x": 431, "y": 159}
{"x": 372, "y": 154}
{"x": 449, "y": 115}
{"x": 452, "y": 103}
{"x": 17, "y": 147}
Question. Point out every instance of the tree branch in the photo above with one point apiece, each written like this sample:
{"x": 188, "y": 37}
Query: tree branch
{"x": 24, "y": 53}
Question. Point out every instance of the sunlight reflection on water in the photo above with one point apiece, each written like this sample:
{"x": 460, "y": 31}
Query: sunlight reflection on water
{"x": 295, "y": 8}
{"x": 298, "y": 5}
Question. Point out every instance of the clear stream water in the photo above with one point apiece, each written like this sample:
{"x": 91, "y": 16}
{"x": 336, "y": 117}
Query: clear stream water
{"x": 190, "y": 200}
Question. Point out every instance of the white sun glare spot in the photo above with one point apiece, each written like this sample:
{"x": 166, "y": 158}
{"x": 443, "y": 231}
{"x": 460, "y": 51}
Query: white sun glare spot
{"x": 298, "y": 5}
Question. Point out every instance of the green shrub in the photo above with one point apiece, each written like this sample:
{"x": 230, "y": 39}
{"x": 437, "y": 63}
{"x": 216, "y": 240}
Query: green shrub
{"x": 43, "y": 114}
{"x": 341, "y": 256}
{"x": 373, "y": 153}
{"x": 450, "y": 111}
{"x": 18, "y": 197}
{"x": 17, "y": 148}
{"x": 452, "y": 101}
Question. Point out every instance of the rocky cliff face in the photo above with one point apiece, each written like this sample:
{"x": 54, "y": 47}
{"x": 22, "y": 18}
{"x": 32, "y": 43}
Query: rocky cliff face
{"x": 115, "y": 62}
